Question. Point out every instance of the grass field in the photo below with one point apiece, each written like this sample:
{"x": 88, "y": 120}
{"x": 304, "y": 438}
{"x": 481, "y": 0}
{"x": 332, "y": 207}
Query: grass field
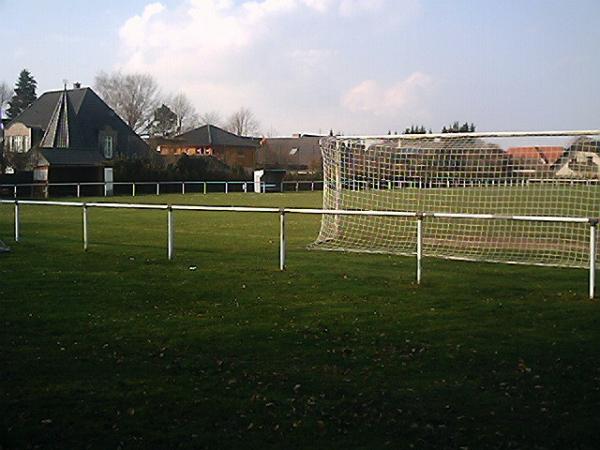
{"x": 119, "y": 348}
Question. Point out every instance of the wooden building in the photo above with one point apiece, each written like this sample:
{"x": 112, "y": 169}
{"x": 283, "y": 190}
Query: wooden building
{"x": 235, "y": 151}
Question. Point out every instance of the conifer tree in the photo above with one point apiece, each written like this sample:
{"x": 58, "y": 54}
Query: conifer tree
{"x": 24, "y": 94}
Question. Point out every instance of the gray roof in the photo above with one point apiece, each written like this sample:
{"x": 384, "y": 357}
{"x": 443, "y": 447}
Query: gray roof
{"x": 77, "y": 116}
{"x": 290, "y": 152}
{"x": 62, "y": 157}
{"x": 210, "y": 135}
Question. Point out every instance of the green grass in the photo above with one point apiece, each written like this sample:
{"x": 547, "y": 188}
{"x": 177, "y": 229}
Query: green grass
{"x": 119, "y": 348}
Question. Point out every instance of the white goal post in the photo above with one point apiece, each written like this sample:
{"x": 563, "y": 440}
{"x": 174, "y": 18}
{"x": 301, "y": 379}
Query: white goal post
{"x": 469, "y": 190}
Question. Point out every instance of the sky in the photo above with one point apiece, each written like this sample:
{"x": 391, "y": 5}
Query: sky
{"x": 354, "y": 66}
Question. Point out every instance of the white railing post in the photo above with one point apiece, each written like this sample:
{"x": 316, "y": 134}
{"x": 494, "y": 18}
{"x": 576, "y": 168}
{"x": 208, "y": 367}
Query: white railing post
{"x": 281, "y": 186}
{"x": 205, "y": 187}
{"x": 282, "y": 239}
{"x": 133, "y": 189}
{"x": 226, "y": 187}
{"x": 16, "y": 221}
{"x": 78, "y": 190}
{"x": 170, "y": 234}
{"x": 593, "y": 243}
{"x": 297, "y": 186}
{"x": 105, "y": 189}
{"x": 85, "y": 227}
{"x": 419, "y": 247}
{"x": 183, "y": 187}
{"x": 15, "y": 191}
{"x": 312, "y": 185}
{"x": 157, "y": 188}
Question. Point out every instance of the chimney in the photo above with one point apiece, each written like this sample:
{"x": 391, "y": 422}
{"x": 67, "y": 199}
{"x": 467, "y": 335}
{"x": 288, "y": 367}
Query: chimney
{"x": 77, "y": 85}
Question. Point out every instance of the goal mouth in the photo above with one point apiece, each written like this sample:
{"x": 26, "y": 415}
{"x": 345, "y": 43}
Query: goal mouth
{"x": 539, "y": 175}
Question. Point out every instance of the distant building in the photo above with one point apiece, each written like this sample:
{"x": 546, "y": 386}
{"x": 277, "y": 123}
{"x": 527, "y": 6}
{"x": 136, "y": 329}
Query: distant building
{"x": 534, "y": 161}
{"x": 235, "y": 151}
{"x": 70, "y": 135}
{"x": 580, "y": 160}
{"x": 299, "y": 153}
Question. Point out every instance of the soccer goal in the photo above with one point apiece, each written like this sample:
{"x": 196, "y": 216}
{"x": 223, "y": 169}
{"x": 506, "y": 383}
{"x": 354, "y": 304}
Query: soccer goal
{"x": 3, "y": 247}
{"x": 520, "y": 198}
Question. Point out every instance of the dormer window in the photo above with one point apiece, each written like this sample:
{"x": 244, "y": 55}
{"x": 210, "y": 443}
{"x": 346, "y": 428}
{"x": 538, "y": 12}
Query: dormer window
{"x": 108, "y": 147}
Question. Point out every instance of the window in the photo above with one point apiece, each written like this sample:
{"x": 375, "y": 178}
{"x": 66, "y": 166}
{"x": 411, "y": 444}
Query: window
{"x": 18, "y": 144}
{"x": 108, "y": 147}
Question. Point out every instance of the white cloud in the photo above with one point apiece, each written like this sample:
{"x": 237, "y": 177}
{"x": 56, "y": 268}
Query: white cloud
{"x": 369, "y": 96}
{"x": 282, "y": 58}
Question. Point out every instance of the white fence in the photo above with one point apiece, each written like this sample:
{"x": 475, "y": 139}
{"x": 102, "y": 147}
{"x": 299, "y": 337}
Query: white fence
{"x": 134, "y": 188}
{"x": 592, "y": 223}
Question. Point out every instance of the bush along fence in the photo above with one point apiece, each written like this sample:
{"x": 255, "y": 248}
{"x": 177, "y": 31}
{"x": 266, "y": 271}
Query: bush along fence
{"x": 420, "y": 219}
{"x": 133, "y": 188}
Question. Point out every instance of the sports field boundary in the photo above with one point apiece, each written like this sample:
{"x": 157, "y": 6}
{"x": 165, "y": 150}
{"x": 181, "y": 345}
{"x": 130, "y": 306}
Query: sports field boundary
{"x": 592, "y": 222}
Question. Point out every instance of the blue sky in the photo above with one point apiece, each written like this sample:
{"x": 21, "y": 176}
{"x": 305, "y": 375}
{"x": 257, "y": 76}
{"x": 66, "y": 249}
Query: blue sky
{"x": 358, "y": 66}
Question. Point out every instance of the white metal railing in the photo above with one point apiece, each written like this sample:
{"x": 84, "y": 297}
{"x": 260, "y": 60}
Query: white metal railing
{"x": 592, "y": 222}
{"x": 184, "y": 187}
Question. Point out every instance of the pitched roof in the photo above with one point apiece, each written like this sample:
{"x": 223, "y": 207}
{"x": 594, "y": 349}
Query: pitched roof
{"x": 77, "y": 115}
{"x": 40, "y": 112}
{"x": 547, "y": 154}
{"x": 210, "y": 135}
{"x": 62, "y": 157}
{"x": 62, "y": 131}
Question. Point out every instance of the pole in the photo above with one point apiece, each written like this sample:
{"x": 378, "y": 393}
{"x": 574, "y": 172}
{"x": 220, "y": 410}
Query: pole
{"x": 282, "y": 239}
{"x": 226, "y": 187}
{"x": 205, "y": 187}
{"x": 170, "y": 234}
{"x": 16, "y": 221}
{"x": 78, "y": 190}
{"x": 133, "y": 189}
{"x": 85, "y": 227}
{"x": 157, "y": 188}
{"x": 183, "y": 187}
{"x": 593, "y": 240}
{"x": 419, "y": 247}
{"x": 15, "y": 191}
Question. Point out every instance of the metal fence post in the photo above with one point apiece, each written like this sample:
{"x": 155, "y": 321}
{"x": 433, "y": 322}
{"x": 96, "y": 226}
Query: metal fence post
{"x": 105, "y": 189}
{"x": 312, "y": 185}
{"x": 205, "y": 187}
{"x": 419, "y": 247}
{"x": 593, "y": 243}
{"x": 157, "y": 188}
{"x": 15, "y": 191}
{"x": 16, "y": 221}
{"x": 226, "y": 187}
{"x": 78, "y": 190}
{"x": 282, "y": 239}
{"x": 170, "y": 233}
{"x": 297, "y": 186}
{"x": 85, "y": 227}
{"x": 183, "y": 187}
{"x": 133, "y": 189}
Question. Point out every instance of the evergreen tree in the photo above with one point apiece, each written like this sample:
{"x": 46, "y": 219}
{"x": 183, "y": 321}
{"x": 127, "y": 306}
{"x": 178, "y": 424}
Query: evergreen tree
{"x": 24, "y": 94}
{"x": 165, "y": 121}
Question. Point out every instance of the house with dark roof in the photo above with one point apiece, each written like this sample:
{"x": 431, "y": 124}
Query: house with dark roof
{"x": 70, "y": 136}
{"x": 237, "y": 152}
{"x": 299, "y": 153}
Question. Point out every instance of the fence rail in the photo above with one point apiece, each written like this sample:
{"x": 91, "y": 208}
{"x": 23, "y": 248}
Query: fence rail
{"x": 592, "y": 222}
{"x": 133, "y": 188}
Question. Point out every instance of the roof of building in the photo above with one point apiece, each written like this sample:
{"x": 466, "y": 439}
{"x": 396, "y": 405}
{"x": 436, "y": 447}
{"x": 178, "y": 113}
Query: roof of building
{"x": 72, "y": 118}
{"x": 60, "y": 157}
{"x": 210, "y": 135}
{"x": 546, "y": 154}
{"x": 290, "y": 152}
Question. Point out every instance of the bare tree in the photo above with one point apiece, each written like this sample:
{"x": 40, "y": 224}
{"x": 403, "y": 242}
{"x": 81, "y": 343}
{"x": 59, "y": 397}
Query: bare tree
{"x": 133, "y": 96}
{"x": 187, "y": 118}
{"x": 242, "y": 123}
{"x": 210, "y": 118}
{"x": 6, "y": 93}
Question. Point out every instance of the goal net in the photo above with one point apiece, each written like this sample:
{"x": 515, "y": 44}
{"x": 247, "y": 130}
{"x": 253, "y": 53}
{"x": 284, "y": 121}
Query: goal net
{"x": 542, "y": 175}
{"x": 3, "y": 247}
